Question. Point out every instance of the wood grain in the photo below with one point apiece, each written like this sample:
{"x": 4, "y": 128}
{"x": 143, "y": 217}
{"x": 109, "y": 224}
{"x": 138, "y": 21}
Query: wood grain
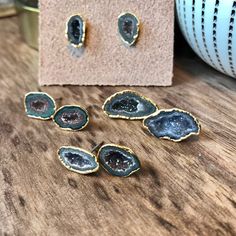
{"x": 186, "y": 188}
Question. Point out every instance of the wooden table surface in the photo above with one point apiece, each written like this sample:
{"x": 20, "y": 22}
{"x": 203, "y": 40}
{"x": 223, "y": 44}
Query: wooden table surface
{"x": 186, "y": 188}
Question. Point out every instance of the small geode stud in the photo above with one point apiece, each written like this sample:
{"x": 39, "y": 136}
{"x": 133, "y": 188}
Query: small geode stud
{"x": 129, "y": 105}
{"x": 78, "y": 160}
{"x": 128, "y": 26}
{"x": 39, "y": 105}
{"x": 75, "y": 31}
{"x": 118, "y": 161}
{"x": 73, "y": 118}
{"x": 173, "y": 124}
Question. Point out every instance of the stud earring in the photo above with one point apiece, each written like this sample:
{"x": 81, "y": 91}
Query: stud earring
{"x": 72, "y": 118}
{"x": 75, "y": 31}
{"x": 118, "y": 160}
{"x": 128, "y": 27}
{"x": 78, "y": 160}
{"x": 39, "y": 105}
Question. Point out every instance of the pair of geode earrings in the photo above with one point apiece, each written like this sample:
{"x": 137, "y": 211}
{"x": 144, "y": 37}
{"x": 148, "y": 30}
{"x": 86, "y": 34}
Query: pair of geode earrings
{"x": 172, "y": 124}
{"x": 116, "y": 160}
{"x": 41, "y": 106}
{"x": 128, "y": 27}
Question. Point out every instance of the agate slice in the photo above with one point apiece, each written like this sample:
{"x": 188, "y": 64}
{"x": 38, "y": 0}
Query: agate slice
{"x": 78, "y": 160}
{"x": 75, "y": 31}
{"x": 173, "y": 124}
{"x": 129, "y": 105}
{"x": 118, "y": 161}
{"x": 71, "y": 118}
{"x": 128, "y": 25}
{"x": 39, "y": 105}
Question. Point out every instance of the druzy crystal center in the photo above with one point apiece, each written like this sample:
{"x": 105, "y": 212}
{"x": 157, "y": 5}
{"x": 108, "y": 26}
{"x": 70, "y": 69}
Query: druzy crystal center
{"x": 76, "y": 159}
{"x": 177, "y": 124}
{"x": 76, "y": 29}
{"x": 117, "y": 161}
{"x": 128, "y": 27}
{"x": 71, "y": 118}
{"x": 129, "y": 105}
{"x": 39, "y": 105}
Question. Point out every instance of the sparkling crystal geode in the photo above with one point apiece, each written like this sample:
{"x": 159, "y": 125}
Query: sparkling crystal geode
{"x": 128, "y": 26}
{"x": 128, "y": 104}
{"x": 71, "y": 118}
{"x": 39, "y": 105}
{"x": 173, "y": 124}
{"x": 75, "y": 31}
{"x": 78, "y": 160}
{"x": 118, "y": 161}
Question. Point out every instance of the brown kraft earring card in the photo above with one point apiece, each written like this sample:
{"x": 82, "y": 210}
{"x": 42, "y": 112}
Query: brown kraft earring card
{"x": 105, "y": 59}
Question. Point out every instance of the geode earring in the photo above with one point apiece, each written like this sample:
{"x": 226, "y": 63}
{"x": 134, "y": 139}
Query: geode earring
{"x": 118, "y": 160}
{"x": 78, "y": 160}
{"x": 128, "y": 26}
{"x": 75, "y": 31}
{"x": 71, "y": 117}
{"x": 39, "y": 105}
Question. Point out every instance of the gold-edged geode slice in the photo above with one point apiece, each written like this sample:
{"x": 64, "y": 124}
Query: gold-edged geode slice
{"x": 39, "y": 105}
{"x": 128, "y": 27}
{"x": 78, "y": 160}
{"x": 129, "y": 105}
{"x": 118, "y": 160}
{"x": 75, "y": 31}
{"x": 72, "y": 118}
{"x": 173, "y": 124}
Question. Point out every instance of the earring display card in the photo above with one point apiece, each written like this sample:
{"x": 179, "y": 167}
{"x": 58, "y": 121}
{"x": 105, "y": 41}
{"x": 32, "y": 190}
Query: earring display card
{"x": 105, "y": 59}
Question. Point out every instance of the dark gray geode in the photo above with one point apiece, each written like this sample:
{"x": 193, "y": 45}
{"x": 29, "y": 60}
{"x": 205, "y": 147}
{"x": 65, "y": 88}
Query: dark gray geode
{"x": 128, "y": 25}
{"x": 78, "y": 160}
{"x": 39, "y": 105}
{"x": 71, "y": 118}
{"x": 75, "y": 31}
{"x": 118, "y": 161}
{"x": 129, "y": 105}
{"x": 174, "y": 124}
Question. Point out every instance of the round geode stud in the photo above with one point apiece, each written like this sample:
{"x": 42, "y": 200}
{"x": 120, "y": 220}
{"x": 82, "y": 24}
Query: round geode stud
{"x": 128, "y": 26}
{"x": 72, "y": 118}
{"x": 173, "y": 124}
{"x": 78, "y": 160}
{"x": 118, "y": 161}
{"x": 75, "y": 31}
{"x": 39, "y": 105}
{"x": 129, "y": 105}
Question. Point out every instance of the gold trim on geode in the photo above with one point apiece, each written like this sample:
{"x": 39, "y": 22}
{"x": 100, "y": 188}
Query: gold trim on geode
{"x": 135, "y": 37}
{"x": 69, "y": 129}
{"x": 125, "y": 117}
{"x": 40, "y": 93}
{"x": 123, "y": 148}
{"x": 170, "y": 110}
{"x": 77, "y": 171}
{"x": 84, "y": 31}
